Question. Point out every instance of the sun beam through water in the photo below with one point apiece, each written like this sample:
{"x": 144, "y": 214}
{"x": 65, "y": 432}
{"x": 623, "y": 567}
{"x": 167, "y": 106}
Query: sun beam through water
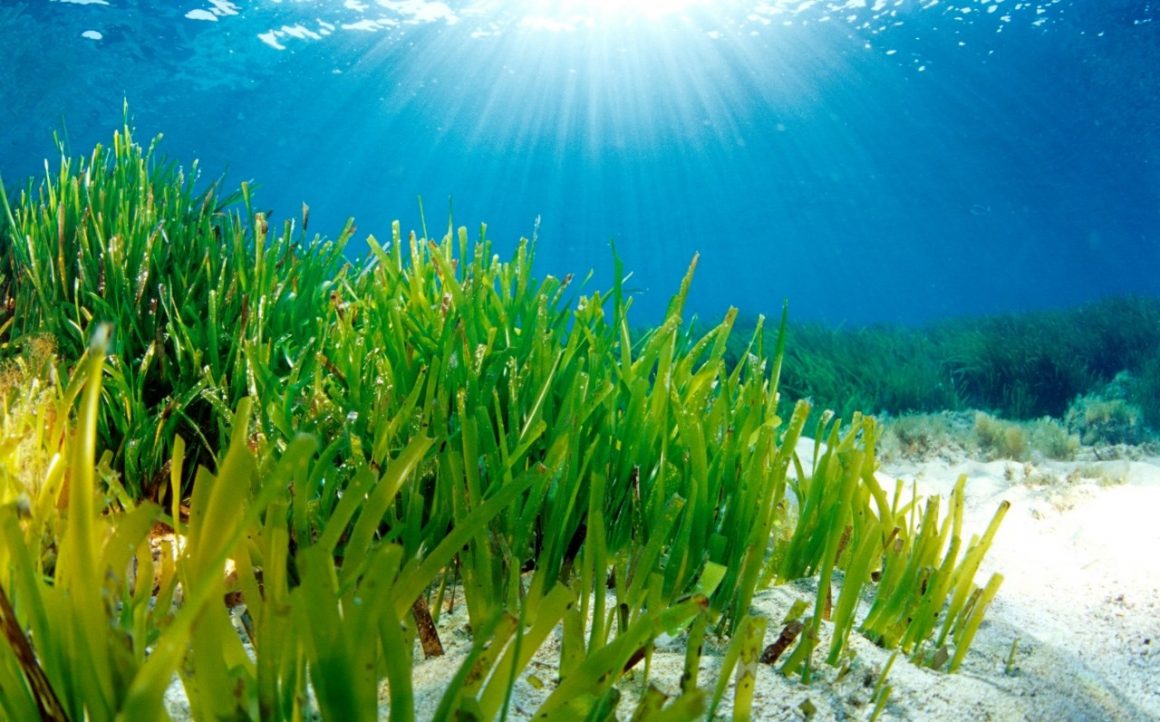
{"x": 610, "y": 9}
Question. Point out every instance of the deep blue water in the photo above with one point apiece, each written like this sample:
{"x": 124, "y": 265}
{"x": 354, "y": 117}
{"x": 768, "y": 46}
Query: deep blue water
{"x": 870, "y": 161}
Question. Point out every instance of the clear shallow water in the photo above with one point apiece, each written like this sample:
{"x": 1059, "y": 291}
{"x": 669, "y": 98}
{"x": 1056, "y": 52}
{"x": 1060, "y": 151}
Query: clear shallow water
{"x": 871, "y": 161}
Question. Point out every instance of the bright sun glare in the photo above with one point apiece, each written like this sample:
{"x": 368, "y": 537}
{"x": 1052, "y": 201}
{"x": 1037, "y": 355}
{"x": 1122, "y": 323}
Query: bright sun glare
{"x": 598, "y": 10}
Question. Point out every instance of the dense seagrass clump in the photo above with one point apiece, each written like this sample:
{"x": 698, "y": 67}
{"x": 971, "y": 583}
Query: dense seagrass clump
{"x": 198, "y": 288}
{"x": 357, "y": 440}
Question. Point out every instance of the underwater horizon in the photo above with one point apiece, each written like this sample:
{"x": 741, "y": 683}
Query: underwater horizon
{"x": 870, "y": 161}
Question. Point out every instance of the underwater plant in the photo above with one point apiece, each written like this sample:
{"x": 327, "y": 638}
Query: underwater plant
{"x": 356, "y": 442}
{"x": 1000, "y": 439}
{"x": 1146, "y": 390}
{"x": 1052, "y": 439}
{"x": 198, "y": 289}
{"x": 1017, "y": 367}
{"x": 1108, "y": 415}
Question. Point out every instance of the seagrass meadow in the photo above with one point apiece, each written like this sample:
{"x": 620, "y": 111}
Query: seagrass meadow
{"x": 232, "y": 456}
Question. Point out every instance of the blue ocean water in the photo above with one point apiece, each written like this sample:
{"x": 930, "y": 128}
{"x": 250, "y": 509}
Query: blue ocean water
{"x": 869, "y": 160}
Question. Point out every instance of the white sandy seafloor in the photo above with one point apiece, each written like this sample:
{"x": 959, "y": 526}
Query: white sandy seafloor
{"x": 1081, "y": 563}
{"x": 1080, "y": 553}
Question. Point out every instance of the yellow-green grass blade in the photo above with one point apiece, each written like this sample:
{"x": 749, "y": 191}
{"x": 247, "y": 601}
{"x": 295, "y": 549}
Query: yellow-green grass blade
{"x": 604, "y": 666}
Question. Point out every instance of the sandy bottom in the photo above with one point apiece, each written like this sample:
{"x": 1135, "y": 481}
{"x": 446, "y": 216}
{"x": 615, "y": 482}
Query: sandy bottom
{"x": 1080, "y": 553}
